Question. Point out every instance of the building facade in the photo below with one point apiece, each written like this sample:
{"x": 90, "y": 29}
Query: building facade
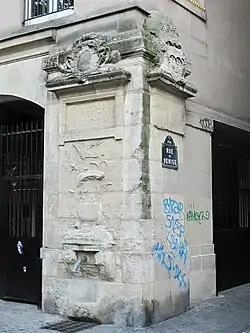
{"x": 125, "y": 156}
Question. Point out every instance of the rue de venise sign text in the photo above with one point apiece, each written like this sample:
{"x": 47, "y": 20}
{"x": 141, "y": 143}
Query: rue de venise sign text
{"x": 169, "y": 154}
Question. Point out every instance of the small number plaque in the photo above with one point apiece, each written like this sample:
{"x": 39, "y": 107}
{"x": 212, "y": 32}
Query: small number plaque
{"x": 169, "y": 154}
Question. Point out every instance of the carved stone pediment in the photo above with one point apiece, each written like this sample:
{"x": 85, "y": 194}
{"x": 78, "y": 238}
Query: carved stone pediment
{"x": 171, "y": 62}
{"x": 88, "y": 59}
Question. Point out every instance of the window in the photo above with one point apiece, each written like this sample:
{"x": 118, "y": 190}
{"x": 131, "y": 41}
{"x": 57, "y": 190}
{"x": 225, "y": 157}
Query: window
{"x": 38, "y": 8}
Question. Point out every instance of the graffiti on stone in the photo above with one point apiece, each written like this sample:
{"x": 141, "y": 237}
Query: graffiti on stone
{"x": 173, "y": 253}
{"x": 206, "y": 124}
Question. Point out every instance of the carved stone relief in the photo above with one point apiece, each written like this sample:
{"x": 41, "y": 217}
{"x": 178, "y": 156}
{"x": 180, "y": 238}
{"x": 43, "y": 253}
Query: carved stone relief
{"x": 88, "y": 173}
{"x": 94, "y": 166}
{"x": 86, "y": 164}
{"x": 89, "y": 55}
{"x": 170, "y": 59}
{"x": 90, "y": 178}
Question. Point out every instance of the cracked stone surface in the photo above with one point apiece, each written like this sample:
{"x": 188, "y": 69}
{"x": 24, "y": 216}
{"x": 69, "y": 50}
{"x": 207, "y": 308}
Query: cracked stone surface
{"x": 227, "y": 313}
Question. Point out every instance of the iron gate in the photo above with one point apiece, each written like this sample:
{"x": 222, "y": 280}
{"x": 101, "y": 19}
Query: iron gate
{"x": 21, "y": 181}
{"x": 231, "y": 205}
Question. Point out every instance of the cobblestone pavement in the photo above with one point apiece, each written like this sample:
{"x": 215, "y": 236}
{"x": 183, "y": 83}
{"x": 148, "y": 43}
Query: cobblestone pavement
{"x": 228, "y": 313}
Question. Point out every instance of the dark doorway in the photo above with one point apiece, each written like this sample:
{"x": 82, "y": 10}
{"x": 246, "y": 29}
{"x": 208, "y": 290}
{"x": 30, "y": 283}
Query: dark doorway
{"x": 231, "y": 205}
{"x": 21, "y": 204}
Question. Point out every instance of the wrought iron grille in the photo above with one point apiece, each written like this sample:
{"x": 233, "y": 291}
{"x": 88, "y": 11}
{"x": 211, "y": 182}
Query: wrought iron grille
{"x": 232, "y": 182}
{"x": 37, "y": 8}
{"x": 69, "y": 326}
{"x": 231, "y": 205}
{"x": 65, "y": 4}
{"x": 22, "y": 168}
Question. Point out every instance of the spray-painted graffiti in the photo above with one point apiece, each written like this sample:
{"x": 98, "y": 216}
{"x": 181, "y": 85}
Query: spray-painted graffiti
{"x": 197, "y": 216}
{"x": 206, "y": 124}
{"x": 171, "y": 206}
{"x": 175, "y": 241}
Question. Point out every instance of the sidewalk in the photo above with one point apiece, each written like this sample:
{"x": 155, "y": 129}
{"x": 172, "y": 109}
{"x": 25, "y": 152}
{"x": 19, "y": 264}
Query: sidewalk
{"x": 228, "y": 313}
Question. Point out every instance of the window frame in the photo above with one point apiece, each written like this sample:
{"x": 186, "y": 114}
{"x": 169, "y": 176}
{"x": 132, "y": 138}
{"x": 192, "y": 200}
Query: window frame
{"x": 53, "y": 12}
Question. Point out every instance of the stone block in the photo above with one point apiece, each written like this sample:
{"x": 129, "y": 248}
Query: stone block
{"x": 50, "y": 206}
{"x": 51, "y": 183}
{"x": 137, "y": 235}
{"x": 162, "y": 179}
{"x": 112, "y": 205}
{"x": 195, "y": 263}
{"x": 50, "y": 233}
{"x": 162, "y": 301}
{"x": 120, "y": 304}
{"x": 131, "y": 174}
{"x": 133, "y": 108}
{"x": 82, "y": 291}
{"x": 93, "y": 114}
{"x": 208, "y": 262}
{"x": 198, "y": 214}
{"x": 161, "y": 274}
{"x": 53, "y": 290}
{"x": 148, "y": 303}
{"x": 110, "y": 264}
{"x": 135, "y": 66}
{"x": 199, "y": 186}
{"x": 207, "y": 249}
{"x": 157, "y": 206}
{"x": 51, "y": 148}
{"x": 202, "y": 285}
{"x": 197, "y": 233}
{"x": 180, "y": 295}
{"x": 89, "y": 237}
{"x": 167, "y": 111}
{"x": 137, "y": 268}
{"x": 50, "y": 261}
{"x": 195, "y": 250}
{"x": 132, "y": 142}
{"x": 132, "y": 205}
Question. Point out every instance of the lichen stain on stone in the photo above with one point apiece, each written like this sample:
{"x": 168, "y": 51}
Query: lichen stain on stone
{"x": 149, "y": 312}
{"x": 144, "y": 146}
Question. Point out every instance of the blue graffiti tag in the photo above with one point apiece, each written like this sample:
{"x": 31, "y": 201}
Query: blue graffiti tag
{"x": 175, "y": 225}
{"x": 179, "y": 276}
{"x": 183, "y": 252}
{"x": 172, "y": 240}
{"x": 173, "y": 211}
{"x": 166, "y": 260}
{"x": 172, "y": 206}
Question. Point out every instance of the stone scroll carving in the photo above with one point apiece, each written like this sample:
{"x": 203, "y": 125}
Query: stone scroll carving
{"x": 170, "y": 60}
{"x": 89, "y": 58}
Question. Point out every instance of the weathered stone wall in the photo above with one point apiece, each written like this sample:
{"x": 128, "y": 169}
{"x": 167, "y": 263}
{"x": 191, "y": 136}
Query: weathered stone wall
{"x": 104, "y": 238}
{"x": 110, "y": 249}
{"x": 198, "y": 202}
{"x": 172, "y": 281}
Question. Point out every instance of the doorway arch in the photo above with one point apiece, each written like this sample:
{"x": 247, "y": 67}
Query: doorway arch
{"x": 21, "y": 198}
